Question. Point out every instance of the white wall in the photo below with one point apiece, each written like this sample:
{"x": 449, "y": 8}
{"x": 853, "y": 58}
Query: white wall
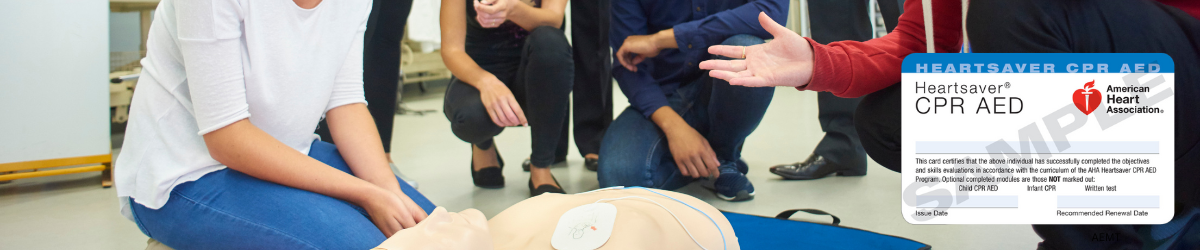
{"x": 124, "y": 31}
{"x": 53, "y": 79}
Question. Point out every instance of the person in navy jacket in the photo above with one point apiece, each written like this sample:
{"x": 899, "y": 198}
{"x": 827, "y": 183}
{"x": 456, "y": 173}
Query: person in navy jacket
{"x": 682, "y": 125}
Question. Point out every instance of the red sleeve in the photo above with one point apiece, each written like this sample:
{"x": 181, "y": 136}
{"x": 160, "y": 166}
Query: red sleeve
{"x": 852, "y": 69}
{"x": 1192, "y": 7}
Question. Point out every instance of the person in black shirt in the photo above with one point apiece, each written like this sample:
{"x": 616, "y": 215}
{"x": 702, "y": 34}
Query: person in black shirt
{"x": 512, "y": 66}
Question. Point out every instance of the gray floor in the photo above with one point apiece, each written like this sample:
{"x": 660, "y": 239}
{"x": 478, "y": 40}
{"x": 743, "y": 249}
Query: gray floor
{"x": 73, "y": 212}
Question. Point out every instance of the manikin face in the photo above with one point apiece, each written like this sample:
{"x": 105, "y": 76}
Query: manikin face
{"x": 443, "y": 231}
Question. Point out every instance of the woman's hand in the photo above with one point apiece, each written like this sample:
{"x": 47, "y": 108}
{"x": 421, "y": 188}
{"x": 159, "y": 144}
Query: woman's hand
{"x": 418, "y": 213}
{"x": 500, "y": 103}
{"x": 492, "y": 13}
{"x": 392, "y": 212}
{"x": 785, "y": 61}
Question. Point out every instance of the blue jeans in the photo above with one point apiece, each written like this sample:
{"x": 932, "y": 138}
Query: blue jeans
{"x": 635, "y": 151}
{"x": 227, "y": 209}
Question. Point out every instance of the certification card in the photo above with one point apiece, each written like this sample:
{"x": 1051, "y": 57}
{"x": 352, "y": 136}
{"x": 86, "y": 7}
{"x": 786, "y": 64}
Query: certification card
{"x": 1037, "y": 138}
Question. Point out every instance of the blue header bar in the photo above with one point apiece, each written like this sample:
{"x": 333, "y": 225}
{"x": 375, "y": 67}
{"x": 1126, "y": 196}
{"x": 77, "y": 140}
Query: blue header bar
{"x": 1038, "y": 63}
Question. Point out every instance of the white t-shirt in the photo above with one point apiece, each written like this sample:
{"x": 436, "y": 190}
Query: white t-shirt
{"x": 210, "y": 63}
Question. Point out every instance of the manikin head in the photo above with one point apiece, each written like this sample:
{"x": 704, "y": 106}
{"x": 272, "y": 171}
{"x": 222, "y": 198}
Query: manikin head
{"x": 444, "y": 231}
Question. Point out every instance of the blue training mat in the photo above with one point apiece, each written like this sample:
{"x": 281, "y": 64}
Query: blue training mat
{"x": 757, "y": 232}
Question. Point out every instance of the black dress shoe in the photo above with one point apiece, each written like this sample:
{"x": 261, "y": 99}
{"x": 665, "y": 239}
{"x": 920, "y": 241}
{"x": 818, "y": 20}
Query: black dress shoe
{"x": 489, "y": 177}
{"x": 525, "y": 165}
{"x": 591, "y": 164}
{"x": 815, "y": 167}
{"x": 545, "y": 188}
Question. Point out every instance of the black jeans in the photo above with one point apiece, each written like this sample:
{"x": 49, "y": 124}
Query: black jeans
{"x": 540, "y": 79}
{"x": 381, "y": 66}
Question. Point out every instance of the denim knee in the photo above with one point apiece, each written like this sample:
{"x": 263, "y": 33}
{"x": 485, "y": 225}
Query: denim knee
{"x": 627, "y": 151}
{"x": 622, "y": 169}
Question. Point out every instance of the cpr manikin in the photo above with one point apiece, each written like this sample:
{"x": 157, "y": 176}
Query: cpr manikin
{"x": 644, "y": 219}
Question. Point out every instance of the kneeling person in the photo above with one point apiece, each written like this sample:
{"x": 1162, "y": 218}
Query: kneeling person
{"x": 510, "y": 60}
{"x": 682, "y": 125}
{"x": 220, "y": 151}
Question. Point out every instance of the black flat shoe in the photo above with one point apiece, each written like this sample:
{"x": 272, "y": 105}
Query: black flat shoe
{"x": 489, "y": 177}
{"x": 525, "y": 165}
{"x": 591, "y": 164}
{"x": 545, "y": 188}
{"x": 815, "y": 167}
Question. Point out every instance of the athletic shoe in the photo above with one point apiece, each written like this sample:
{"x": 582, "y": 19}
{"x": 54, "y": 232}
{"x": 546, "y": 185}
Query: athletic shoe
{"x": 732, "y": 185}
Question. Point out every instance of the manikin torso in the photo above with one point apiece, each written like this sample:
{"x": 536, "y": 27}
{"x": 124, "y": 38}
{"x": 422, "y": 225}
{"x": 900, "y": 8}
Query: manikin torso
{"x": 529, "y": 224}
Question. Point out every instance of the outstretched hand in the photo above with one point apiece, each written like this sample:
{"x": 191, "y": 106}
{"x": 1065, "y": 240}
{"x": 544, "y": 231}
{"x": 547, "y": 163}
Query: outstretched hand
{"x": 785, "y": 61}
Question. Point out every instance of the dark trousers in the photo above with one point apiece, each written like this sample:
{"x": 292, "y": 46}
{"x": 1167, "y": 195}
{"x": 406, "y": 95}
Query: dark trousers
{"x": 891, "y": 10}
{"x": 877, "y": 117}
{"x": 541, "y": 82}
{"x": 877, "y": 121}
{"x": 381, "y": 66}
{"x": 839, "y": 20}
{"x": 841, "y": 144}
{"x": 592, "y": 96}
{"x": 635, "y": 150}
{"x": 1104, "y": 26}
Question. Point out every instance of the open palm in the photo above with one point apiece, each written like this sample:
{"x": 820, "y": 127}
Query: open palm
{"x": 784, "y": 61}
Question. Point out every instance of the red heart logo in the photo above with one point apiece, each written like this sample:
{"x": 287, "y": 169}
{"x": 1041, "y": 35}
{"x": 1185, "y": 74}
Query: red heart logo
{"x": 1087, "y": 98}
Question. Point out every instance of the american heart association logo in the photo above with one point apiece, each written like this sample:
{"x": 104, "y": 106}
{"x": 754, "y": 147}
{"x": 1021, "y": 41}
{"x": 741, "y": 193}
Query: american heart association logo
{"x": 1087, "y": 98}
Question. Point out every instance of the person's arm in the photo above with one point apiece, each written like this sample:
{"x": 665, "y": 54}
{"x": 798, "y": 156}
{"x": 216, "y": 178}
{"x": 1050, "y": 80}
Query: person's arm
{"x": 637, "y": 48}
{"x": 695, "y": 37}
{"x": 244, "y": 147}
{"x": 354, "y": 132}
{"x": 353, "y": 128}
{"x": 852, "y": 69}
{"x": 644, "y": 94}
{"x": 845, "y": 68}
{"x": 496, "y": 97}
{"x": 492, "y": 13}
{"x": 692, "y": 38}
